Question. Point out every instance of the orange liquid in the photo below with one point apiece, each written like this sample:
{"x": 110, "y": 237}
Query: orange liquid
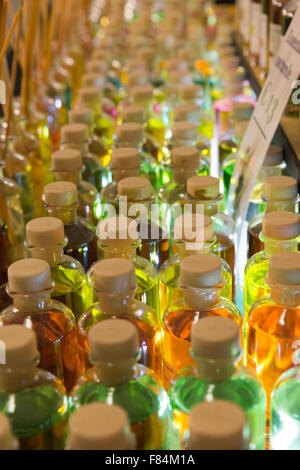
{"x": 176, "y": 342}
{"x": 227, "y": 251}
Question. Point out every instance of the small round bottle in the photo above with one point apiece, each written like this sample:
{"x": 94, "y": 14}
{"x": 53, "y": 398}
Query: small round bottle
{"x": 201, "y": 282}
{"x": 39, "y": 414}
{"x": 61, "y": 200}
{"x": 116, "y": 378}
{"x": 99, "y": 426}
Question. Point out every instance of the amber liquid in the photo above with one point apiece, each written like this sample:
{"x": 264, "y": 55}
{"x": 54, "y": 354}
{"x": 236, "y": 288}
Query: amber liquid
{"x": 176, "y": 341}
{"x": 54, "y": 438}
{"x": 255, "y": 245}
{"x": 87, "y": 212}
{"x": 82, "y": 243}
{"x": 4, "y": 263}
{"x": 226, "y": 250}
{"x": 57, "y": 343}
{"x": 153, "y": 249}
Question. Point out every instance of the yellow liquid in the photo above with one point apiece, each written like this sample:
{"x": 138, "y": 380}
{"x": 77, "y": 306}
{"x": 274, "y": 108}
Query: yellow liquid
{"x": 255, "y": 285}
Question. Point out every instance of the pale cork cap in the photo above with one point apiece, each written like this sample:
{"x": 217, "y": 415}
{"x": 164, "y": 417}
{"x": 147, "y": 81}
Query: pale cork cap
{"x": 93, "y": 79}
{"x": 281, "y": 225}
{"x": 185, "y": 157}
{"x": 117, "y": 231}
{"x": 142, "y": 92}
{"x": 180, "y": 77}
{"x": 203, "y": 188}
{"x": 28, "y": 276}
{"x": 68, "y": 160}
{"x": 60, "y": 194}
{"x": 240, "y": 128}
{"x": 280, "y": 188}
{"x": 7, "y": 440}
{"x": 75, "y": 133}
{"x": 125, "y": 158}
{"x": 187, "y": 112}
{"x": 97, "y": 66}
{"x": 20, "y": 346}
{"x": 201, "y": 271}
{"x": 98, "y": 426}
{"x": 284, "y": 268}
{"x": 45, "y": 232}
{"x": 193, "y": 227}
{"x": 191, "y": 92}
{"x": 182, "y": 130}
{"x": 113, "y": 341}
{"x": 137, "y": 78}
{"x": 274, "y": 156}
{"x": 216, "y": 425}
{"x": 176, "y": 64}
{"x": 81, "y": 115}
{"x": 130, "y": 132}
{"x": 215, "y": 338}
{"x": 133, "y": 113}
{"x": 114, "y": 275}
{"x": 89, "y": 94}
{"x": 241, "y": 110}
{"x": 135, "y": 188}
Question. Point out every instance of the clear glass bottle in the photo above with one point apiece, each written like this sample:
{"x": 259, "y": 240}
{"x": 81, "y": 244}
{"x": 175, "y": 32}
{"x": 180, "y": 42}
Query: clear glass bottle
{"x": 67, "y": 166}
{"x": 45, "y": 239}
{"x": 194, "y": 95}
{"x": 256, "y": 11}
{"x": 217, "y": 374}
{"x": 280, "y": 233}
{"x": 201, "y": 281}
{"x": 264, "y": 37}
{"x": 5, "y": 262}
{"x": 7, "y": 439}
{"x": 229, "y": 143}
{"x": 275, "y": 28}
{"x": 86, "y": 434}
{"x": 115, "y": 287}
{"x": 117, "y": 379}
{"x": 60, "y": 200}
{"x": 39, "y": 414}
{"x": 280, "y": 193}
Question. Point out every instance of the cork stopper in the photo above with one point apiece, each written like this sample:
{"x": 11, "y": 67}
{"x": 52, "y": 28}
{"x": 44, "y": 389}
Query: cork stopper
{"x": 81, "y": 115}
{"x": 203, "y": 188}
{"x": 184, "y": 130}
{"x": 98, "y": 426}
{"x": 188, "y": 92}
{"x": 93, "y": 79}
{"x": 241, "y": 111}
{"x": 45, "y": 232}
{"x": 125, "y": 158}
{"x": 130, "y": 132}
{"x": 135, "y": 188}
{"x": 89, "y": 94}
{"x": 20, "y": 346}
{"x": 185, "y": 157}
{"x": 176, "y": 64}
{"x": 67, "y": 160}
{"x": 284, "y": 268}
{"x": 215, "y": 338}
{"x": 75, "y": 133}
{"x": 113, "y": 341}
{"x": 7, "y": 440}
{"x": 137, "y": 78}
{"x": 141, "y": 93}
{"x": 274, "y": 156}
{"x": 187, "y": 112}
{"x": 281, "y": 225}
{"x": 201, "y": 271}
{"x": 217, "y": 425}
{"x": 28, "y": 276}
{"x": 280, "y": 188}
{"x": 240, "y": 128}
{"x": 134, "y": 113}
{"x": 60, "y": 194}
{"x": 193, "y": 228}
{"x": 114, "y": 275}
{"x": 97, "y": 66}
{"x": 117, "y": 231}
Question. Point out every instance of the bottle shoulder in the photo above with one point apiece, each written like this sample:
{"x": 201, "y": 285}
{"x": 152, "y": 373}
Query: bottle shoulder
{"x": 223, "y": 307}
{"x": 68, "y": 262}
{"x": 55, "y": 310}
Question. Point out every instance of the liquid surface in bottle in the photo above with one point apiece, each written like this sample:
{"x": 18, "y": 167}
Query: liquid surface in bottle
{"x": 155, "y": 246}
{"x": 82, "y": 243}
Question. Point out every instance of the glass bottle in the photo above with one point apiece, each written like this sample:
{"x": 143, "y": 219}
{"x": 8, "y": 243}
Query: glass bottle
{"x": 86, "y": 434}
{"x": 76, "y": 136}
{"x": 7, "y": 439}
{"x": 264, "y": 37}
{"x": 39, "y": 414}
{"x": 229, "y": 143}
{"x": 284, "y": 433}
{"x": 60, "y": 200}
{"x": 194, "y": 95}
{"x": 280, "y": 234}
{"x": 219, "y": 425}
{"x": 255, "y": 15}
{"x": 30, "y": 286}
{"x": 136, "y": 199}
{"x": 118, "y": 238}
{"x": 115, "y": 287}
{"x": 280, "y": 193}
{"x": 204, "y": 192}
{"x": 5, "y": 261}
{"x": 217, "y": 374}
{"x": 67, "y": 166}
{"x": 200, "y": 281}
{"x": 275, "y": 28}
{"x": 45, "y": 239}
{"x": 117, "y": 379}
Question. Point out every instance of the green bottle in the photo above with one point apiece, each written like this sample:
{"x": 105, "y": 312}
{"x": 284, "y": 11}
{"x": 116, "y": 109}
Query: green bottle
{"x": 117, "y": 379}
{"x": 39, "y": 413}
{"x": 217, "y": 374}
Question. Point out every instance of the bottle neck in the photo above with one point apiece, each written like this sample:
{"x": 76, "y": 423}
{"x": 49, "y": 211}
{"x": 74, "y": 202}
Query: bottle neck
{"x": 276, "y": 206}
{"x": 17, "y": 379}
{"x": 66, "y": 214}
{"x": 201, "y": 299}
{"x": 287, "y": 296}
{"x": 32, "y": 302}
{"x": 115, "y": 303}
{"x": 70, "y": 176}
{"x": 52, "y": 256}
{"x": 186, "y": 249}
{"x": 115, "y": 373}
{"x": 210, "y": 207}
{"x": 215, "y": 370}
{"x": 83, "y": 147}
{"x": 278, "y": 246}
{"x": 181, "y": 176}
{"x": 126, "y": 252}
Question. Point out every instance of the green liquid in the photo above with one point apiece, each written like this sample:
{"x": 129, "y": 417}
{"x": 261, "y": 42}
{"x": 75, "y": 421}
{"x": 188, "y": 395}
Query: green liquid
{"x": 227, "y": 174}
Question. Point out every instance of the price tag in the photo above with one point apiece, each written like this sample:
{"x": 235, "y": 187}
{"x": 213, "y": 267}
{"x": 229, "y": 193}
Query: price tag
{"x": 264, "y": 122}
